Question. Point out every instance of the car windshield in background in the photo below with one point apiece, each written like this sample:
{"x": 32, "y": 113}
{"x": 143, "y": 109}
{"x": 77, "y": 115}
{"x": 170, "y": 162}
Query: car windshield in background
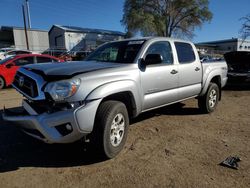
{"x": 6, "y": 59}
{"x": 118, "y": 52}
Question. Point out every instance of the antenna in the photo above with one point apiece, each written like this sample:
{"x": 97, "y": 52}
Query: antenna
{"x": 28, "y": 13}
{"x": 25, "y": 28}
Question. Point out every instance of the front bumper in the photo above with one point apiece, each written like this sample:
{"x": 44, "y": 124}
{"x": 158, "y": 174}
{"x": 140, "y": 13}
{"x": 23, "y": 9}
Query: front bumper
{"x": 65, "y": 126}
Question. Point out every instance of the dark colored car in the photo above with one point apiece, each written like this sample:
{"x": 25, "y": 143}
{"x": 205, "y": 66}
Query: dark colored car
{"x": 10, "y": 65}
{"x": 238, "y": 66}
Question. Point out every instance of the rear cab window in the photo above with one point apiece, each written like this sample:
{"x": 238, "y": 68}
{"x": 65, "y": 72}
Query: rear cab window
{"x": 185, "y": 52}
{"x": 41, "y": 59}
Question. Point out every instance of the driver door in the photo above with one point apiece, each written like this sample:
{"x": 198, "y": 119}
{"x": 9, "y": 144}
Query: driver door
{"x": 159, "y": 81}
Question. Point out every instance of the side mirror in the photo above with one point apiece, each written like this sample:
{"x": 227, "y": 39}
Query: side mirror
{"x": 153, "y": 59}
{"x": 8, "y": 66}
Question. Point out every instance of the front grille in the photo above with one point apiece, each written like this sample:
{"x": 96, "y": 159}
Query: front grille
{"x": 26, "y": 84}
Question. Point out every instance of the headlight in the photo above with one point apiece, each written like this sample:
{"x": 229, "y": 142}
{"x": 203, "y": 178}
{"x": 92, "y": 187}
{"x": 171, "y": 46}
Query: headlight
{"x": 62, "y": 89}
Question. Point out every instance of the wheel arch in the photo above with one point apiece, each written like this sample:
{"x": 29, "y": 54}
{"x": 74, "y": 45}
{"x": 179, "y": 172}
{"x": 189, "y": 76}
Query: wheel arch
{"x": 217, "y": 80}
{"x": 212, "y": 78}
{"x": 125, "y": 97}
{"x": 124, "y": 91}
{"x": 5, "y": 84}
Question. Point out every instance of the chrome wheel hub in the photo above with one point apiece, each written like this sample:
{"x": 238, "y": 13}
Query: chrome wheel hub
{"x": 117, "y": 130}
{"x": 212, "y": 98}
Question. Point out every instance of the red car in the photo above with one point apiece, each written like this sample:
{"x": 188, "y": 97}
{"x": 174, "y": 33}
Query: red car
{"x": 10, "y": 65}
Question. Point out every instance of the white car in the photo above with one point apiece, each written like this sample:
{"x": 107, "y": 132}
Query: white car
{"x": 4, "y": 50}
{"x": 4, "y": 55}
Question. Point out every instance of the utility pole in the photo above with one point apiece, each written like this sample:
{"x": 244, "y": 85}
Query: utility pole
{"x": 25, "y": 28}
{"x": 28, "y": 13}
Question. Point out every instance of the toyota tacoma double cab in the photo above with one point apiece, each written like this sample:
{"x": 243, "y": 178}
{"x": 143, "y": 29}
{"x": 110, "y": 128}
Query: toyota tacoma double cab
{"x": 96, "y": 98}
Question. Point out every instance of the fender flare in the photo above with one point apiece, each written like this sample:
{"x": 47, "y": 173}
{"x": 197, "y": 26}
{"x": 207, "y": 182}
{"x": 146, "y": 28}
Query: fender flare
{"x": 210, "y": 76}
{"x": 115, "y": 87}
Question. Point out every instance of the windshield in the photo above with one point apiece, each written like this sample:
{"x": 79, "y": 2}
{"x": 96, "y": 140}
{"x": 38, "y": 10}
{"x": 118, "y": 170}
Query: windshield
{"x": 117, "y": 52}
{"x": 6, "y": 59}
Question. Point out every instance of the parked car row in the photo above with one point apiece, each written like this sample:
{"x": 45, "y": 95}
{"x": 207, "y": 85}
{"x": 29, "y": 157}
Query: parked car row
{"x": 75, "y": 55}
{"x": 11, "y": 59}
{"x": 68, "y": 55}
{"x": 11, "y": 64}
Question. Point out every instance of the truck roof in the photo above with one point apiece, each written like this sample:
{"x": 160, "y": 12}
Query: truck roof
{"x": 154, "y": 38}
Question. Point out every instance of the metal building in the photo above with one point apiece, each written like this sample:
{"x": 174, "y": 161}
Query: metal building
{"x": 222, "y": 46}
{"x": 80, "y": 39}
{"x": 15, "y": 37}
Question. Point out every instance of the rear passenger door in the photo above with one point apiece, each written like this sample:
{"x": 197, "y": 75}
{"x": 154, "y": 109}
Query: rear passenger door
{"x": 190, "y": 71}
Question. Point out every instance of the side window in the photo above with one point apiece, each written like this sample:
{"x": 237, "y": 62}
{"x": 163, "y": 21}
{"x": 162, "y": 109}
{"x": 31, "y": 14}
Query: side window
{"x": 44, "y": 59}
{"x": 185, "y": 52}
{"x": 164, "y": 49}
{"x": 24, "y": 61}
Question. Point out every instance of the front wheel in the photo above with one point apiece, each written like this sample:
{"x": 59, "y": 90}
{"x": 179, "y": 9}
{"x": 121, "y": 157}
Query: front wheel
{"x": 110, "y": 129}
{"x": 209, "y": 101}
{"x": 2, "y": 83}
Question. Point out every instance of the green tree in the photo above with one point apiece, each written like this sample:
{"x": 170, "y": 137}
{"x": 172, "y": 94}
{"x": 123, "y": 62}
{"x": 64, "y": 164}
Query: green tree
{"x": 245, "y": 29}
{"x": 165, "y": 17}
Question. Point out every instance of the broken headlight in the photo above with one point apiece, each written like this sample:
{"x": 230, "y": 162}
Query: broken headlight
{"x": 61, "y": 90}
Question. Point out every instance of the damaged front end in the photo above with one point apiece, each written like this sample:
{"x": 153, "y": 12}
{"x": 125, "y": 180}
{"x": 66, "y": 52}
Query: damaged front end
{"x": 46, "y": 119}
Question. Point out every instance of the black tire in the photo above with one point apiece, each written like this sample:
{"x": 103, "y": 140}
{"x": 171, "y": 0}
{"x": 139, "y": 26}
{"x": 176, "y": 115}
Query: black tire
{"x": 110, "y": 129}
{"x": 209, "y": 101}
{"x": 2, "y": 83}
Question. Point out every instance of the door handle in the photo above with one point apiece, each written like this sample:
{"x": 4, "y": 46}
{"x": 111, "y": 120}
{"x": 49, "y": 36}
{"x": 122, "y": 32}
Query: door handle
{"x": 174, "y": 71}
{"x": 197, "y": 69}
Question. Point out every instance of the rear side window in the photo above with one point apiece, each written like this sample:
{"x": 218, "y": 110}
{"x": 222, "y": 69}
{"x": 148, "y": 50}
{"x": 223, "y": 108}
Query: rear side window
{"x": 185, "y": 52}
{"x": 44, "y": 59}
{"x": 24, "y": 61}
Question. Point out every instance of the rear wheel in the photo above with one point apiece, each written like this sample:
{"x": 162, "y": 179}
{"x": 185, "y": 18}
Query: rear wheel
{"x": 209, "y": 101}
{"x": 2, "y": 83}
{"x": 110, "y": 129}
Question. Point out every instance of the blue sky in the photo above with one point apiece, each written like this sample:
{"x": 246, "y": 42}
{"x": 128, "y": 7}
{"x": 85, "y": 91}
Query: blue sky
{"x": 106, "y": 14}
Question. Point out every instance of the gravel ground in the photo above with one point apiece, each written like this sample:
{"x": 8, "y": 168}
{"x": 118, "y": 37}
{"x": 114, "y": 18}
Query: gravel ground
{"x": 175, "y": 146}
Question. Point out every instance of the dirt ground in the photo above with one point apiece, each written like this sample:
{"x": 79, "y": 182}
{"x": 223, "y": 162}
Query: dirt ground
{"x": 175, "y": 146}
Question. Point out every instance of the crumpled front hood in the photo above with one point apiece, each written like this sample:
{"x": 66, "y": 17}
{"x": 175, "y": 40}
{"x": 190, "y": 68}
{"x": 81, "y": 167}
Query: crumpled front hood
{"x": 69, "y": 69}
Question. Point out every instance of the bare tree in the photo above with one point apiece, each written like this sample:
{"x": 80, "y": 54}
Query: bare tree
{"x": 165, "y": 17}
{"x": 245, "y": 29}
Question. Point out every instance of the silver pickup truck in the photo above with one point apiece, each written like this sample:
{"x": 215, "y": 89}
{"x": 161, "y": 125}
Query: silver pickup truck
{"x": 96, "y": 98}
